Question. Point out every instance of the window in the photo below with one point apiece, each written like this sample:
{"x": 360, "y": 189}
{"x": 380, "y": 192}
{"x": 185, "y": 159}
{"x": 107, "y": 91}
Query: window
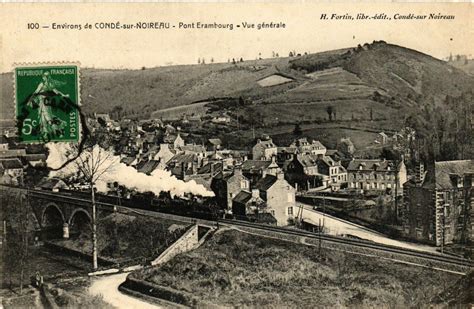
{"x": 231, "y": 195}
{"x": 290, "y": 211}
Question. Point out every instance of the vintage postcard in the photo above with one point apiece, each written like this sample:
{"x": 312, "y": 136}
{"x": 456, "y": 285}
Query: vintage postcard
{"x": 258, "y": 155}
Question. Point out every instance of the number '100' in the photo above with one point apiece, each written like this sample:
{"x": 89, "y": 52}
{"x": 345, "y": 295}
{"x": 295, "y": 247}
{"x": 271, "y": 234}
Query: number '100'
{"x": 33, "y": 26}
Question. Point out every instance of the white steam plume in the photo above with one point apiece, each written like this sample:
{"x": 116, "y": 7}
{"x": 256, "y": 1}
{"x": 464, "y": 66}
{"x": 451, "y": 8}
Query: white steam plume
{"x": 125, "y": 175}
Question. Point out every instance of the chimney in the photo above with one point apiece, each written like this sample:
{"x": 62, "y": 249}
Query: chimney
{"x": 212, "y": 169}
{"x": 238, "y": 170}
{"x": 280, "y": 175}
{"x": 246, "y": 158}
{"x": 468, "y": 180}
{"x": 183, "y": 170}
{"x": 255, "y": 193}
{"x": 274, "y": 159}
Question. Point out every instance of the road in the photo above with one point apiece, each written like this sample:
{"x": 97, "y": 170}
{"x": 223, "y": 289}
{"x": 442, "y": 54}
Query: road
{"x": 107, "y": 287}
{"x": 336, "y": 226}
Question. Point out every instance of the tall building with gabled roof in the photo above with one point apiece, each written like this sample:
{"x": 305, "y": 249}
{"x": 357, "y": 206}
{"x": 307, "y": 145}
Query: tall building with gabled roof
{"x": 438, "y": 206}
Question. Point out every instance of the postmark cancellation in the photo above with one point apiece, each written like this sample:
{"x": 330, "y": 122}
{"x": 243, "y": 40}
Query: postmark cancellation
{"x": 47, "y": 100}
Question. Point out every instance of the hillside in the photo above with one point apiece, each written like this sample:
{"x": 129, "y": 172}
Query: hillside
{"x": 380, "y": 79}
{"x": 466, "y": 65}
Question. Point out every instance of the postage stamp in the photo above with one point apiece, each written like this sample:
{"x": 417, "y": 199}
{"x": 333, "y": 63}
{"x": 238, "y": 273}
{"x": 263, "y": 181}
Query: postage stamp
{"x": 47, "y": 101}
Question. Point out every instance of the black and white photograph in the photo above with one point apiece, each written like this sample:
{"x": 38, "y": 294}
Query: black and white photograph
{"x": 237, "y": 155}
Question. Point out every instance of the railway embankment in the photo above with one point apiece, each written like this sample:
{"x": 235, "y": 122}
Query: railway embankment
{"x": 241, "y": 268}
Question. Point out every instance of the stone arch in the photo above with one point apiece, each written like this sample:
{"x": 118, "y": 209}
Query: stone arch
{"x": 52, "y": 214}
{"x": 80, "y": 221}
{"x": 79, "y": 210}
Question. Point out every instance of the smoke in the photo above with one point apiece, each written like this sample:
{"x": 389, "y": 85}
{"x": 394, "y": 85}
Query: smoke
{"x": 112, "y": 170}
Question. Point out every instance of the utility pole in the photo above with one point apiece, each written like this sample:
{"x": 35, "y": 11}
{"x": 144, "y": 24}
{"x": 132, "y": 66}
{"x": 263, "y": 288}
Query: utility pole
{"x": 319, "y": 236}
{"x": 94, "y": 229}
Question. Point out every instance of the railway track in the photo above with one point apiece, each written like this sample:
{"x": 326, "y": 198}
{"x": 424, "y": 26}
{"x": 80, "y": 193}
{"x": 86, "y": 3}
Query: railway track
{"x": 364, "y": 244}
{"x": 357, "y": 243}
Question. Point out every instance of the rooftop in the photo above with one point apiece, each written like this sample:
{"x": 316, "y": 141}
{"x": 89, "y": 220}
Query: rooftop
{"x": 371, "y": 165}
{"x": 265, "y": 183}
{"x": 11, "y": 163}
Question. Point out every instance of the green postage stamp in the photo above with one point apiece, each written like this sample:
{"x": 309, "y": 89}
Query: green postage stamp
{"x": 47, "y": 101}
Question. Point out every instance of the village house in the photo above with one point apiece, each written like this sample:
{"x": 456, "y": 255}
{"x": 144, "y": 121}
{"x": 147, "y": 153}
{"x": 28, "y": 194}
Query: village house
{"x": 51, "y": 184}
{"x": 7, "y": 152}
{"x": 226, "y": 187}
{"x": 335, "y": 175}
{"x": 302, "y": 172}
{"x": 382, "y": 138}
{"x": 376, "y": 175}
{"x": 346, "y": 146}
{"x": 248, "y": 203}
{"x": 178, "y": 142}
{"x": 129, "y": 160}
{"x": 11, "y": 171}
{"x": 198, "y": 150}
{"x": 148, "y": 167}
{"x": 336, "y": 155}
{"x": 254, "y": 170}
{"x": 264, "y": 150}
{"x": 285, "y": 155}
{"x": 164, "y": 155}
{"x": 279, "y": 197}
{"x": 36, "y": 159}
{"x": 309, "y": 148}
{"x": 221, "y": 119}
{"x": 214, "y": 144}
{"x": 437, "y": 204}
{"x": 211, "y": 169}
{"x": 3, "y": 143}
{"x": 183, "y": 165}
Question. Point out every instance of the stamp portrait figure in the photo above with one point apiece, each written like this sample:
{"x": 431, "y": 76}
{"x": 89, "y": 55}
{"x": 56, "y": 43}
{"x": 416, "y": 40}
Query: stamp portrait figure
{"x": 47, "y": 104}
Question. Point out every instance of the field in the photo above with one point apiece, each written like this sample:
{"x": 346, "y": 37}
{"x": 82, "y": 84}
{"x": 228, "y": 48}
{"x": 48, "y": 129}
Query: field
{"x": 177, "y": 112}
{"x": 235, "y": 269}
{"x": 330, "y": 136}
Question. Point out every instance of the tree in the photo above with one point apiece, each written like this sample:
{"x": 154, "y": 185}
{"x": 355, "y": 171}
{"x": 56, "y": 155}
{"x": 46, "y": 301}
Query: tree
{"x": 92, "y": 164}
{"x": 290, "y": 54}
{"x": 297, "y": 130}
{"x": 241, "y": 59}
{"x": 16, "y": 210}
{"x": 330, "y": 111}
{"x": 199, "y": 60}
{"x": 212, "y": 60}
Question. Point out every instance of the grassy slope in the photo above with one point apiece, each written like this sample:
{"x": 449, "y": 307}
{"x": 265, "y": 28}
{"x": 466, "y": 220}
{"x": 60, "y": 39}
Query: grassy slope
{"x": 237, "y": 269}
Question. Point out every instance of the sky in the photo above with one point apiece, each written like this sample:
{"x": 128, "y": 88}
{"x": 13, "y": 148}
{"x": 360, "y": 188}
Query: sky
{"x": 304, "y": 31}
